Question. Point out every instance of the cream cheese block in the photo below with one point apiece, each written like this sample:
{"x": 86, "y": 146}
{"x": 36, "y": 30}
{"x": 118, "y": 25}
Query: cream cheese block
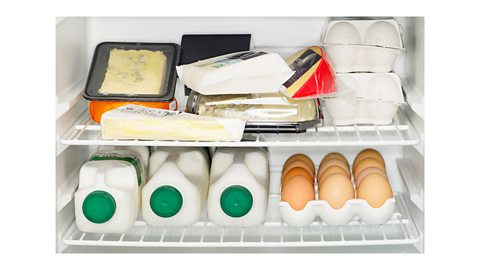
{"x": 134, "y": 72}
{"x": 139, "y": 122}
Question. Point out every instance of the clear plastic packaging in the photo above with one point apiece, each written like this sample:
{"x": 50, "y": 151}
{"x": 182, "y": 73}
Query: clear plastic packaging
{"x": 365, "y": 98}
{"x": 132, "y": 73}
{"x": 236, "y": 73}
{"x": 138, "y": 122}
{"x": 314, "y": 76}
{"x": 263, "y": 112}
{"x": 363, "y": 45}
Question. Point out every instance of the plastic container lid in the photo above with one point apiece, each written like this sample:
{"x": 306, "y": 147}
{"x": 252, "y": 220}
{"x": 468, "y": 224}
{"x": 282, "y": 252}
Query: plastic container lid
{"x": 236, "y": 201}
{"x": 128, "y": 54}
{"x": 166, "y": 201}
{"x": 99, "y": 206}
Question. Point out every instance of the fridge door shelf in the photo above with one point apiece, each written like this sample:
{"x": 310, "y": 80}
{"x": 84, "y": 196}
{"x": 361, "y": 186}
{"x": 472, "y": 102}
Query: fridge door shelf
{"x": 398, "y": 230}
{"x": 86, "y": 132}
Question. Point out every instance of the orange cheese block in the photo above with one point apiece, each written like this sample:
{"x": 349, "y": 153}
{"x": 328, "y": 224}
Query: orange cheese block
{"x": 99, "y": 107}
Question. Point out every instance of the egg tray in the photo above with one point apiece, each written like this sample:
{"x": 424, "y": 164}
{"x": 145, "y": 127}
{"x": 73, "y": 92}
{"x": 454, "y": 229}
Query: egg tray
{"x": 363, "y": 45}
{"x": 365, "y": 98}
{"x": 352, "y": 209}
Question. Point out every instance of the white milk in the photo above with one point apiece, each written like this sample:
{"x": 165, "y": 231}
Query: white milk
{"x": 177, "y": 188}
{"x": 239, "y": 182}
{"x": 108, "y": 195}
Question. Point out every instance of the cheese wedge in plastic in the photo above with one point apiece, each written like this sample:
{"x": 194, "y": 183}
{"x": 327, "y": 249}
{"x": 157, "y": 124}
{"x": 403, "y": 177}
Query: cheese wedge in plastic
{"x": 139, "y": 122}
{"x": 314, "y": 77}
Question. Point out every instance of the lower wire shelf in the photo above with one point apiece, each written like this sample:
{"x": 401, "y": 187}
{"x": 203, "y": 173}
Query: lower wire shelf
{"x": 399, "y": 230}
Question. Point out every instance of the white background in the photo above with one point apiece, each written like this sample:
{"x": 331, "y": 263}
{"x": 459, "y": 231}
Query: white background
{"x": 27, "y": 74}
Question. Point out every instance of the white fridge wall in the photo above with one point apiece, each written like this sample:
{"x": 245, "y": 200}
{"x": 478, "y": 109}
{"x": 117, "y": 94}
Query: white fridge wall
{"x": 76, "y": 39}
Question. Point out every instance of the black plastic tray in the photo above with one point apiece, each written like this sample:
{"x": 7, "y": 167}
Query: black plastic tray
{"x": 99, "y": 66}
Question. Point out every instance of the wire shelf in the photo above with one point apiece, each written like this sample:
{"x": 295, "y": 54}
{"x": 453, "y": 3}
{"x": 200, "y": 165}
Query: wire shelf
{"x": 399, "y": 230}
{"x": 400, "y": 132}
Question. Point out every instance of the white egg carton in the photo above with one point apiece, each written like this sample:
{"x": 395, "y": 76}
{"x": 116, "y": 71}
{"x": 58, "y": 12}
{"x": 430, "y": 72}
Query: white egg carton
{"x": 365, "y": 98}
{"x": 353, "y": 209}
{"x": 363, "y": 45}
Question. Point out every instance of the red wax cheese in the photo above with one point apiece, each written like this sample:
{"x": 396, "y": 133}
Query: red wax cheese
{"x": 313, "y": 76}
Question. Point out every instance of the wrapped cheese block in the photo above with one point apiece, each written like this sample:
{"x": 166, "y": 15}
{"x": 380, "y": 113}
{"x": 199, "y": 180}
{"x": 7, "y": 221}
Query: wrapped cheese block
{"x": 139, "y": 122}
{"x": 313, "y": 78}
{"x": 236, "y": 73}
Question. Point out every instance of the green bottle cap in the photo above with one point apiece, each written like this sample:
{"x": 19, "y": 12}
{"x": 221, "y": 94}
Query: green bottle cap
{"x": 99, "y": 206}
{"x": 236, "y": 201}
{"x": 166, "y": 201}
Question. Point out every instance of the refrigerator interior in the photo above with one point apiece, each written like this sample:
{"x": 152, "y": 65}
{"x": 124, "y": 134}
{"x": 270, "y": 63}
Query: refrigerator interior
{"x": 401, "y": 144}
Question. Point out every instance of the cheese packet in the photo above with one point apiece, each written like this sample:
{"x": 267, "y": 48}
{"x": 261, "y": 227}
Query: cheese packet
{"x": 236, "y": 73}
{"x": 139, "y": 122}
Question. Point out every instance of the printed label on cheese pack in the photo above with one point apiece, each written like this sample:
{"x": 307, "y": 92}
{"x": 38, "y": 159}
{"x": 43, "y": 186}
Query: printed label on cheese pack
{"x": 232, "y": 59}
{"x": 146, "y": 111}
{"x": 135, "y": 161}
{"x": 302, "y": 64}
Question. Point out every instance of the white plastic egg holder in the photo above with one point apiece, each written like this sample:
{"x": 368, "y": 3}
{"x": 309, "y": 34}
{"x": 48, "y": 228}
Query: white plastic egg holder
{"x": 363, "y": 45}
{"x": 365, "y": 98}
{"x": 352, "y": 208}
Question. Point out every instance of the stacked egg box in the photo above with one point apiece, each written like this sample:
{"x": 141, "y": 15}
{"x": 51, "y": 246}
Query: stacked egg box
{"x": 339, "y": 199}
{"x": 362, "y": 53}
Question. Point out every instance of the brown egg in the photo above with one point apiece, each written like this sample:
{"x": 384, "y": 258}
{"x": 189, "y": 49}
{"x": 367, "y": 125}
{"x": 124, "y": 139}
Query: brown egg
{"x": 333, "y": 162}
{"x": 334, "y": 155}
{"x": 329, "y": 171}
{"x": 297, "y": 171}
{"x": 375, "y": 189}
{"x": 368, "y": 171}
{"x": 367, "y": 163}
{"x": 302, "y": 157}
{"x": 367, "y": 153}
{"x": 298, "y": 191}
{"x": 296, "y": 164}
{"x": 336, "y": 189}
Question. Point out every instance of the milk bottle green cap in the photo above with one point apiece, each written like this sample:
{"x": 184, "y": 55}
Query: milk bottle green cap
{"x": 166, "y": 201}
{"x": 99, "y": 206}
{"x": 236, "y": 201}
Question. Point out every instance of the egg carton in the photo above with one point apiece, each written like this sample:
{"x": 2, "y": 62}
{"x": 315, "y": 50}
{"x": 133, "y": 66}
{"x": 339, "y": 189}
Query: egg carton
{"x": 363, "y": 45}
{"x": 353, "y": 209}
{"x": 365, "y": 98}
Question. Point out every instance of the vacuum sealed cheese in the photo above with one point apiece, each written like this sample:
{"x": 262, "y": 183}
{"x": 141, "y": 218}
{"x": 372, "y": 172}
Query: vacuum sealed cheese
{"x": 134, "y": 72}
{"x": 236, "y": 73}
{"x": 139, "y": 122}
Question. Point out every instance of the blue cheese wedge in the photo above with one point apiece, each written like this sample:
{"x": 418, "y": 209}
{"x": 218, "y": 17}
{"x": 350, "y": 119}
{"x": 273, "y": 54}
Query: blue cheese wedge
{"x": 134, "y": 72}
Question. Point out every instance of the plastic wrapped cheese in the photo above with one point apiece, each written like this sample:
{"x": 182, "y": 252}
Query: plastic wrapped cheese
{"x": 236, "y": 73}
{"x": 139, "y": 122}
